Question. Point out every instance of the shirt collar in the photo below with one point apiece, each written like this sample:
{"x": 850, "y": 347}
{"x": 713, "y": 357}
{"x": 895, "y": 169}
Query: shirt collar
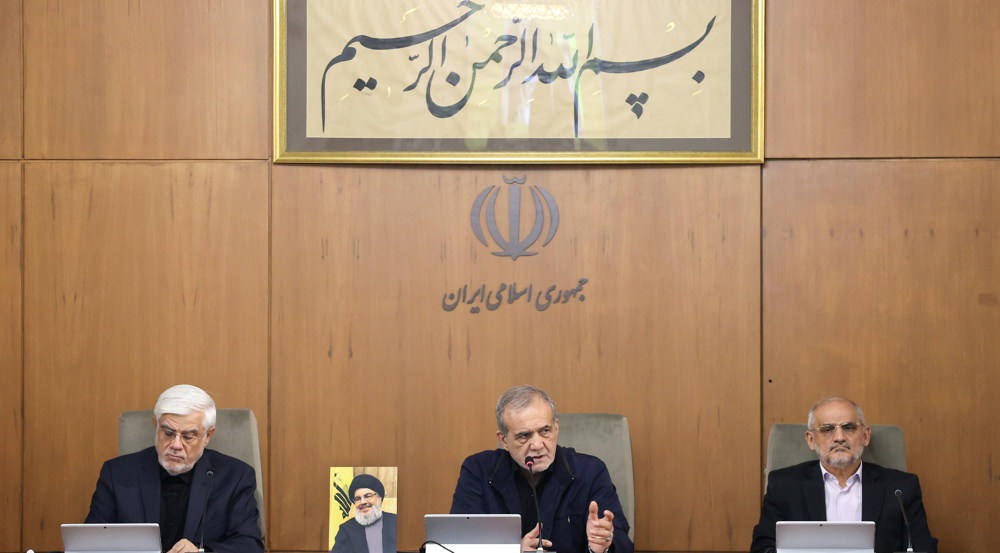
{"x": 828, "y": 473}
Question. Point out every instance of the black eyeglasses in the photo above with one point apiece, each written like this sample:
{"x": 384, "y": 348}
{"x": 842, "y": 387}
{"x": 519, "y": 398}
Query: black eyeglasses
{"x": 367, "y": 497}
{"x": 828, "y": 430}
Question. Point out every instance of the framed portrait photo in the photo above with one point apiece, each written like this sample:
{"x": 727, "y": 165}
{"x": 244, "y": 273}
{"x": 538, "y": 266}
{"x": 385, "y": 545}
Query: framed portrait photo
{"x": 518, "y": 81}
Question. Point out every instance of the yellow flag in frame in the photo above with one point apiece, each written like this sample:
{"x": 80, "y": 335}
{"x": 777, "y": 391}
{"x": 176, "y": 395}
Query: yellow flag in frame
{"x": 340, "y": 501}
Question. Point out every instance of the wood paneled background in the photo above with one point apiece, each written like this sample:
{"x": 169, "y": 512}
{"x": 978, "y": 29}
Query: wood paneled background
{"x": 882, "y": 79}
{"x": 137, "y": 276}
{"x": 720, "y": 300}
{"x": 150, "y": 79}
{"x": 10, "y": 354}
{"x": 884, "y": 277}
{"x": 363, "y": 351}
{"x": 11, "y": 113}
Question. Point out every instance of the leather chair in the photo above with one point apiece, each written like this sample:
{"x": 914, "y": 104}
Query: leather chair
{"x": 606, "y": 437}
{"x": 235, "y": 435}
{"x": 786, "y": 446}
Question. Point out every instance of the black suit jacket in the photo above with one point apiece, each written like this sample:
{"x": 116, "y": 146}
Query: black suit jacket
{"x": 796, "y": 493}
{"x": 128, "y": 490}
{"x": 351, "y": 536}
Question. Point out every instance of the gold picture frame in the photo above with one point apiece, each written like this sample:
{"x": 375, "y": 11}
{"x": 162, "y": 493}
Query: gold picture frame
{"x": 585, "y": 115}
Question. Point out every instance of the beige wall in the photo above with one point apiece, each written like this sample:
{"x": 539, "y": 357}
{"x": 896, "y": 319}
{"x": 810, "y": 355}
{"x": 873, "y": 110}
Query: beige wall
{"x": 160, "y": 246}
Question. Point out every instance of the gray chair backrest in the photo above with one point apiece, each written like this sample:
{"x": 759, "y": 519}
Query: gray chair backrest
{"x": 786, "y": 446}
{"x": 607, "y": 437}
{"x": 235, "y": 435}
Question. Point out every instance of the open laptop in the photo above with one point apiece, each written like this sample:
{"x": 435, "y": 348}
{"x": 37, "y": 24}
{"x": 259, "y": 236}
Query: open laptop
{"x": 111, "y": 538}
{"x": 473, "y": 533}
{"x": 825, "y": 537}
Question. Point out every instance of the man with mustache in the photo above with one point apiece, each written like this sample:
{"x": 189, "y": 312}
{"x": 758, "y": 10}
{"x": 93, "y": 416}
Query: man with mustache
{"x": 578, "y": 507}
{"x": 839, "y": 487}
{"x": 371, "y": 530}
{"x": 167, "y": 483}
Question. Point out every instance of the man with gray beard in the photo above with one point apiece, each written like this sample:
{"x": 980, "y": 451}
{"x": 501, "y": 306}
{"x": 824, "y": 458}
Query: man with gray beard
{"x": 168, "y": 482}
{"x": 839, "y": 487}
{"x": 371, "y": 530}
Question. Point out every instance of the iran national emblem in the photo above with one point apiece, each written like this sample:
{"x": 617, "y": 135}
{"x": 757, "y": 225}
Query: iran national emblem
{"x": 513, "y": 247}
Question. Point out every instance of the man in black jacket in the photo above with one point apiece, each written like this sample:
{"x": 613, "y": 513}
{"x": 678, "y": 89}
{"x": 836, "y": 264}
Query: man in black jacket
{"x": 168, "y": 483}
{"x": 578, "y": 510}
{"x": 840, "y": 487}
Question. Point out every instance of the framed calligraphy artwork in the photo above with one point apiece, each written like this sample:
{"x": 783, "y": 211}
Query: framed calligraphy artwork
{"x": 518, "y": 81}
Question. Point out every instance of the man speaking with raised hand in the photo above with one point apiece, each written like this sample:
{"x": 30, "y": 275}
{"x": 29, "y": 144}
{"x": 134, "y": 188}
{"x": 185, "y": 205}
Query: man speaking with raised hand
{"x": 578, "y": 508}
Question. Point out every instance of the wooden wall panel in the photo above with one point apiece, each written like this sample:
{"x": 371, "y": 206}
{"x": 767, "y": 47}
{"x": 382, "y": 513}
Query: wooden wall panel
{"x": 369, "y": 369}
{"x": 137, "y": 277}
{"x": 157, "y": 79}
{"x": 880, "y": 283}
{"x": 10, "y": 356}
{"x": 10, "y": 79}
{"x": 863, "y": 79}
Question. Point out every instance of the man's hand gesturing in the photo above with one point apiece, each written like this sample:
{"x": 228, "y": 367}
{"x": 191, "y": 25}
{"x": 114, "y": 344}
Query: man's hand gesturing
{"x": 530, "y": 540}
{"x": 600, "y": 531}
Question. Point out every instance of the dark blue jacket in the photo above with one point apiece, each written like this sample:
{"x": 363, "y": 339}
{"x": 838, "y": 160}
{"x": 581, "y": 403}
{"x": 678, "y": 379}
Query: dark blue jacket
{"x": 486, "y": 486}
{"x": 128, "y": 490}
{"x": 351, "y": 537}
{"x": 797, "y": 493}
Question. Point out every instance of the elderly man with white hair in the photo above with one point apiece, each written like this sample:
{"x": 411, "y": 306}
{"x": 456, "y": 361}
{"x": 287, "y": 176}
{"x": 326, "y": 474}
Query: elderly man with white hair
{"x": 168, "y": 483}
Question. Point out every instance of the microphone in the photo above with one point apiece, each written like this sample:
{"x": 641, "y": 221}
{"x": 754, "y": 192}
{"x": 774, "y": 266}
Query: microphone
{"x": 204, "y": 513}
{"x": 529, "y": 462}
{"x": 909, "y": 539}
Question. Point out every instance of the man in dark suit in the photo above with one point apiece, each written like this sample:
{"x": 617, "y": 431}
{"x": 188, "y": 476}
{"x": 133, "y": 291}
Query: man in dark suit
{"x": 167, "y": 483}
{"x": 371, "y": 530}
{"x": 839, "y": 487}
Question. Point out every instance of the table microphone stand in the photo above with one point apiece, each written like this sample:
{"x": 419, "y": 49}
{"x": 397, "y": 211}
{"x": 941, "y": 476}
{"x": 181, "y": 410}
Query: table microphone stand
{"x": 530, "y": 463}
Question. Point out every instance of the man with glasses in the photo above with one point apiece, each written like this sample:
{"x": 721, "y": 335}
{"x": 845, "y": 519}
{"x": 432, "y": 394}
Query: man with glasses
{"x": 168, "y": 483}
{"x": 839, "y": 487}
{"x": 371, "y": 530}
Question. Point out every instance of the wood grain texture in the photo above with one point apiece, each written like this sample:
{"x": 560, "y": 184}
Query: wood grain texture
{"x": 10, "y": 79}
{"x": 880, "y": 283}
{"x": 864, "y": 79}
{"x": 369, "y": 369}
{"x": 138, "y": 277}
{"x": 10, "y": 356}
{"x": 156, "y": 79}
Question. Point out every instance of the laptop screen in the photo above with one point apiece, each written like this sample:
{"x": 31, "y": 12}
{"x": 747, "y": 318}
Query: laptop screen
{"x": 473, "y": 533}
{"x": 832, "y": 537}
{"x": 107, "y": 538}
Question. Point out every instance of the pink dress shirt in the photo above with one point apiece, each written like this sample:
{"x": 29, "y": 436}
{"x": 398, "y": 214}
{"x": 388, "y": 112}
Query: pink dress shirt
{"x": 842, "y": 504}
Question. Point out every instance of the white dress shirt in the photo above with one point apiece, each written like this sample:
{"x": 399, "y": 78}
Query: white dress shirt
{"x": 842, "y": 504}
